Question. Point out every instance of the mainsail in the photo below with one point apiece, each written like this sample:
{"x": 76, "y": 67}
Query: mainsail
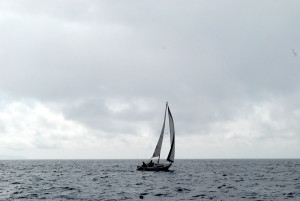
{"x": 160, "y": 140}
{"x": 172, "y": 137}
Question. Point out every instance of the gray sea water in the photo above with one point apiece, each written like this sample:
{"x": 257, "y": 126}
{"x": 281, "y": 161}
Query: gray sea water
{"x": 119, "y": 180}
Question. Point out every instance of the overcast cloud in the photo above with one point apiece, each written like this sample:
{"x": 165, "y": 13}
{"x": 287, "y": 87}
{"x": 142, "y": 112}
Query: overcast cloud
{"x": 89, "y": 79}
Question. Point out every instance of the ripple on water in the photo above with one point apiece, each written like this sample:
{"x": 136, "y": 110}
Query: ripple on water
{"x": 117, "y": 179}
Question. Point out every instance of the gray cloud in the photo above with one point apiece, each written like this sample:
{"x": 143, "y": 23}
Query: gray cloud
{"x": 214, "y": 63}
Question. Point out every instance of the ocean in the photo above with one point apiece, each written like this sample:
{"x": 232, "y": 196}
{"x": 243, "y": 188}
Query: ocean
{"x": 119, "y": 180}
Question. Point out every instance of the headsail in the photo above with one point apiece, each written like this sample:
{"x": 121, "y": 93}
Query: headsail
{"x": 160, "y": 140}
{"x": 172, "y": 137}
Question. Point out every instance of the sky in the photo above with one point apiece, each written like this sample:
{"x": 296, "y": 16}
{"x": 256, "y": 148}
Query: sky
{"x": 90, "y": 79}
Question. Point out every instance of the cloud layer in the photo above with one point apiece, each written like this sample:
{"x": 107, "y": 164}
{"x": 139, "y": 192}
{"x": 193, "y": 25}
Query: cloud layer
{"x": 87, "y": 77}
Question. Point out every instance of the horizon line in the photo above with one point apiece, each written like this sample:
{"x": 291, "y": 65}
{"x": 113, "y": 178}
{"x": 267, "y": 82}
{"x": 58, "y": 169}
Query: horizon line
{"x": 149, "y": 159}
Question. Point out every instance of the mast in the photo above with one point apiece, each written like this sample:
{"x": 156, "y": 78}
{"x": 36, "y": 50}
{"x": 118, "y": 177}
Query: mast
{"x": 171, "y": 155}
{"x": 160, "y": 140}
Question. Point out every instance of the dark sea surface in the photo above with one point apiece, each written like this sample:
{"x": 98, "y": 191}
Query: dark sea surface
{"x": 119, "y": 180}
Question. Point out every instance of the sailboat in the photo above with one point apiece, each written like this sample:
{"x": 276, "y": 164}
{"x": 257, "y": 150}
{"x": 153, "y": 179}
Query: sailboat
{"x": 157, "y": 166}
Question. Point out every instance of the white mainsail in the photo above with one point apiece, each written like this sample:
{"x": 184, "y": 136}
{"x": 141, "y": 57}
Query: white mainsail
{"x": 171, "y": 155}
{"x": 160, "y": 140}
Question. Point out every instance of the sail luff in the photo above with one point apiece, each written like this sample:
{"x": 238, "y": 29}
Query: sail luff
{"x": 171, "y": 154}
{"x": 160, "y": 140}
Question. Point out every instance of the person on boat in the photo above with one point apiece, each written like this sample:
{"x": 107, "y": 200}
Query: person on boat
{"x": 151, "y": 164}
{"x": 144, "y": 164}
